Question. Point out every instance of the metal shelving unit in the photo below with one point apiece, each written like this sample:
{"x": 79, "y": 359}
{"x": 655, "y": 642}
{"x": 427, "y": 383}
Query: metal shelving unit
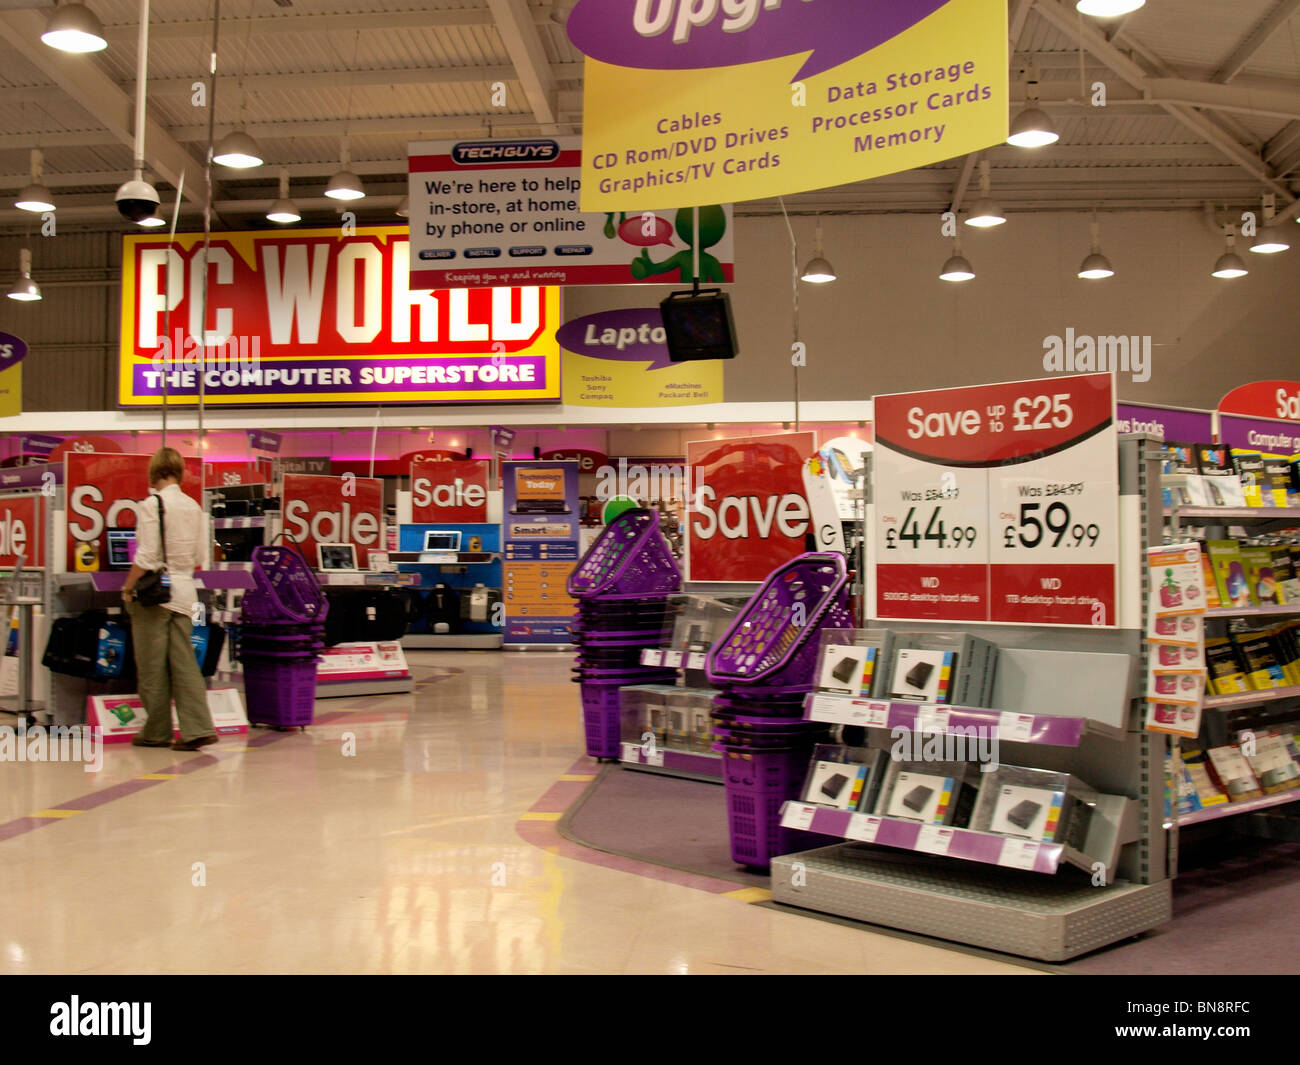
{"x": 1015, "y": 896}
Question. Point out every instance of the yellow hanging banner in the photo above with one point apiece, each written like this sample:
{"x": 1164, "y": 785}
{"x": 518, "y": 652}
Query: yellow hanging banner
{"x": 695, "y": 102}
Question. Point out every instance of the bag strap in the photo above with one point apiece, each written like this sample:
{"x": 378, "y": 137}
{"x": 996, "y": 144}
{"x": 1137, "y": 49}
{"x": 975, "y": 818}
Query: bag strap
{"x": 162, "y": 527}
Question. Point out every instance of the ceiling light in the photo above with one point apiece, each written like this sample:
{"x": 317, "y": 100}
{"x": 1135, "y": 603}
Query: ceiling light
{"x": 1269, "y": 241}
{"x": 152, "y": 222}
{"x": 74, "y": 28}
{"x": 238, "y": 151}
{"x": 819, "y": 270}
{"x": 284, "y": 209}
{"x": 404, "y": 208}
{"x": 1095, "y": 265}
{"x": 984, "y": 212}
{"x": 1229, "y": 264}
{"x": 24, "y": 289}
{"x": 1032, "y": 129}
{"x": 1107, "y": 8}
{"x": 345, "y": 185}
{"x": 35, "y": 197}
{"x": 958, "y": 267}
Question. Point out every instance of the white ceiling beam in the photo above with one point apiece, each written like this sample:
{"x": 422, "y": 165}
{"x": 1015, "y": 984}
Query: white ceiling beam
{"x": 1127, "y": 68}
{"x": 1280, "y": 102}
{"x": 307, "y": 23}
{"x": 519, "y": 34}
{"x": 324, "y": 79}
{"x": 962, "y": 183}
{"x": 1255, "y": 40}
{"x": 92, "y": 89}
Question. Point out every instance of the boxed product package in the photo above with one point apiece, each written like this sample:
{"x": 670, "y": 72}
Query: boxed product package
{"x": 1250, "y": 471}
{"x": 1219, "y": 476}
{"x": 1179, "y": 719}
{"x": 1176, "y": 686}
{"x": 1212, "y": 600}
{"x": 1286, "y": 575}
{"x": 1259, "y": 659}
{"x": 1036, "y": 804}
{"x": 938, "y": 793}
{"x": 1260, "y": 575}
{"x": 854, "y": 661}
{"x": 1188, "y": 801}
{"x": 1226, "y": 674}
{"x": 1176, "y": 579}
{"x": 846, "y": 778}
{"x": 1229, "y": 573}
{"x": 1233, "y": 773}
{"x": 1273, "y": 765}
{"x": 933, "y": 667}
{"x": 1208, "y": 792}
{"x": 701, "y": 620}
{"x": 1279, "y": 489}
{"x": 1180, "y": 476}
{"x": 1187, "y": 628}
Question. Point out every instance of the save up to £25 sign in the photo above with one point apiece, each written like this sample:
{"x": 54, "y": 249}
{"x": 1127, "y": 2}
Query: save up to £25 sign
{"x": 998, "y": 503}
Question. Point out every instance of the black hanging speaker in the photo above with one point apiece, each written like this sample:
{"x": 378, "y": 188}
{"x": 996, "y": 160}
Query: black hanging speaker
{"x": 698, "y": 325}
{"x": 469, "y": 453}
{"x": 537, "y": 452}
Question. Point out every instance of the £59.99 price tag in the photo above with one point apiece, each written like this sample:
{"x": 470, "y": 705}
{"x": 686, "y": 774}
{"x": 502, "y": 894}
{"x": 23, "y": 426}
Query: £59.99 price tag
{"x": 998, "y": 503}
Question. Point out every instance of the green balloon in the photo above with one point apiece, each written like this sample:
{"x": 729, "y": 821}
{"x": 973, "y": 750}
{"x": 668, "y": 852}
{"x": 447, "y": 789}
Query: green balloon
{"x": 616, "y": 506}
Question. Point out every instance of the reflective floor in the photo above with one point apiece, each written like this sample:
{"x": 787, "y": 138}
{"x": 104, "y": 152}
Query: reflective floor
{"x": 382, "y": 840}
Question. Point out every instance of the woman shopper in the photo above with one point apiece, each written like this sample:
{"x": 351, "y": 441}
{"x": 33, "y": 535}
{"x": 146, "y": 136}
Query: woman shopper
{"x": 164, "y": 659}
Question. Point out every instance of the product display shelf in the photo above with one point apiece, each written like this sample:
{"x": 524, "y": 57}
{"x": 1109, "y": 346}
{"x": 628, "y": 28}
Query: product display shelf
{"x": 412, "y": 563}
{"x": 693, "y": 765}
{"x": 1251, "y": 698}
{"x": 1030, "y": 912}
{"x": 1271, "y": 610}
{"x": 23, "y": 593}
{"x": 1232, "y": 809}
{"x": 1010, "y": 726}
{"x": 1117, "y": 828}
{"x": 256, "y": 521}
{"x": 1231, "y": 516}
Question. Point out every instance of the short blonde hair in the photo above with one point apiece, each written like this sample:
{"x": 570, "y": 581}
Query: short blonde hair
{"x": 166, "y": 462}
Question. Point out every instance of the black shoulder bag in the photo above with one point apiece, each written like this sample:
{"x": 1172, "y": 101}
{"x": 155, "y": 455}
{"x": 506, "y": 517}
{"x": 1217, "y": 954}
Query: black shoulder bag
{"x": 154, "y": 588}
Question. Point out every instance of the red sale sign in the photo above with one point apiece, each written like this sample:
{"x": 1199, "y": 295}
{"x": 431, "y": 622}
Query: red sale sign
{"x": 1264, "y": 399}
{"x": 333, "y": 510}
{"x": 22, "y": 530}
{"x": 231, "y": 474}
{"x": 102, "y": 491}
{"x": 748, "y": 511}
{"x": 451, "y": 492}
{"x": 998, "y": 503}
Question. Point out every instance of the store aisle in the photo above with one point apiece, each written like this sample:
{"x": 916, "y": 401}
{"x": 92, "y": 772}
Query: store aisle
{"x": 289, "y": 854}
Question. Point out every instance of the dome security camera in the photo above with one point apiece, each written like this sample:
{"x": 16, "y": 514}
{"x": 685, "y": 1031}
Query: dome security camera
{"x": 137, "y": 200}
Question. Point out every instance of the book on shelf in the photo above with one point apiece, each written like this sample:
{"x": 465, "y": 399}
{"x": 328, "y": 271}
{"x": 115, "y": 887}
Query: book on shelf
{"x": 1250, "y": 471}
{"x": 1232, "y": 773}
{"x": 1219, "y": 476}
{"x": 1226, "y": 675}
{"x": 1229, "y": 573}
{"x": 1257, "y": 562}
{"x": 1212, "y": 598}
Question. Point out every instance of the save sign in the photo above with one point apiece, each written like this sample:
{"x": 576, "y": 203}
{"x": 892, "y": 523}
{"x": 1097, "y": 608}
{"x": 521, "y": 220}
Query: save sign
{"x": 452, "y": 492}
{"x": 333, "y": 510}
{"x": 748, "y": 511}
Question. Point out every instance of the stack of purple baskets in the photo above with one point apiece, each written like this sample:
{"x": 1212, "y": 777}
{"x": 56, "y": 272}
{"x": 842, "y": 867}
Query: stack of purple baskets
{"x": 280, "y": 633}
{"x": 763, "y": 666}
{"x": 622, "y": 585}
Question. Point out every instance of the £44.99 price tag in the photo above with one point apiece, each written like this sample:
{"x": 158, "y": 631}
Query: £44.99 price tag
{"x": 998, "y": 503}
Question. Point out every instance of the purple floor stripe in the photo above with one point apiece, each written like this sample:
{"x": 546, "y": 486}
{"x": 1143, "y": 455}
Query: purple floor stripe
{"x": 20, "y": 825}
{"x": 114, "y": 791}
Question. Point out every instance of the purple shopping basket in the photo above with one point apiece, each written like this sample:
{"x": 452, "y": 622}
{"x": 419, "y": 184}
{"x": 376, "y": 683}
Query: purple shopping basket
{"x": 282, "y": 693}
{"x": 757, "y": 784}
{"x": 601, "y": 718}
{"x": 765, "y": 641}
{"x": 286, "y": 588}
{"x": 630, "y": 559}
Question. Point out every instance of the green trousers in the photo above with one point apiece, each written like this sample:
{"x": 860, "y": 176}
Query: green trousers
{"x": 168, "y": 671}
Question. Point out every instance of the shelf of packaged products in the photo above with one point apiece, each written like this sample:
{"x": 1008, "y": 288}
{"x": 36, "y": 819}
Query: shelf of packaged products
{"x": 1219, "y": 702}
{"x": 987, "y": 848}
{"x": 694, "y": 764}
{"x": 218, "y": 577}
{"x": 459, "y": 641}
{"x": 462, "y": 558}
{"x": 1238, "y": 514}
{"x": 673, "y": 657}
{"x": 359, "y": 579}
{"x": 256, "y": 521}
{"x": 1231, "y": 809}
{"x": 1011, "y": 727}
{"x": 1268, "y": 610}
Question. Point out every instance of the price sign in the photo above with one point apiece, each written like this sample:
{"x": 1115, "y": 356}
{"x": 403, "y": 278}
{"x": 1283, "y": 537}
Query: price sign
{"x": 652, "y": 656}
{"x": 1019, "y": 854}
{"x": 934, "y": 839}
{"x": 1015, "y": 727}
{"x": 696, "y": 660}
{"x": 798, "y": 815}
{"x": 862, "y": 827}
{"x": 998, "y": 503}
{"x": 673, "y": 659}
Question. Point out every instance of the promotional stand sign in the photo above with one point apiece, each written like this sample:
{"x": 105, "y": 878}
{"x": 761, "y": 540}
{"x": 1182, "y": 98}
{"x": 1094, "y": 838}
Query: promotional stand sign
{"x": 487, "y": 213}
{"x": 540, "y": 539}
{"x": 998, "y": 503}
{"x": 696, "y": 102}
{"x": 333, "y": 510}
{"x": 102, "y": 492}
{"x": 450, "y": 493}
{"x": 748, "y": 506}
{"x": 1168, "y": 423}
{"x": 22, "y": 530}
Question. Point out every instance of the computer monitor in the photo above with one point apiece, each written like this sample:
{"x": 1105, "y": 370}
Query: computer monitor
{"x": 338, "y": 558}
{"x": 121, "y": 548}
{"x": 442, "y": 540}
